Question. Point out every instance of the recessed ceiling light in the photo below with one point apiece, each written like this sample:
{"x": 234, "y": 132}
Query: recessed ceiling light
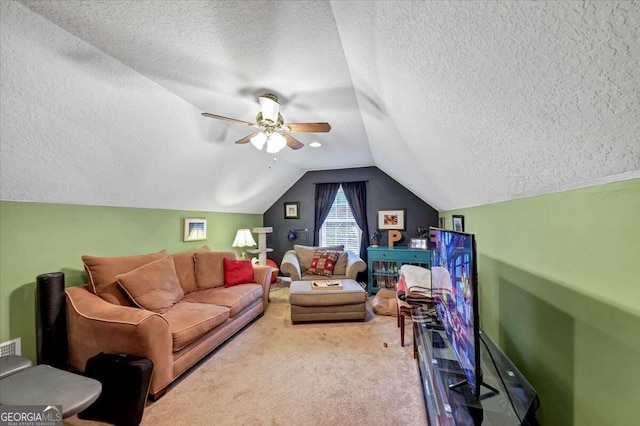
{"x": 315, "y": 144}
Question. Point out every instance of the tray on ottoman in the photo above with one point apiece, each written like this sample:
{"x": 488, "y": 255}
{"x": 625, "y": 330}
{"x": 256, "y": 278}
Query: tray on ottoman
{"x": 309, "y": 304}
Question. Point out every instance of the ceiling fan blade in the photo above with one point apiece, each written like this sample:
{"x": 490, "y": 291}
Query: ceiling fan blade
{"x": 233, "y": 120}
{"x": 247, "y": 139}
{"x": 309, "y": 127}
{"x": 292, "y": 142}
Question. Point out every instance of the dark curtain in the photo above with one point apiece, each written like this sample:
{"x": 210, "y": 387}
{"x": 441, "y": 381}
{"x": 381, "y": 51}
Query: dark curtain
{"x": 325, "y": 195}
{"x": 356, "y": 195}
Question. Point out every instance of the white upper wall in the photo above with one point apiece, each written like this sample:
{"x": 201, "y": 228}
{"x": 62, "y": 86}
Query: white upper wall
{"x": 490, "y": 101}
{"x": 464, "y": 103}
{"x": 80, "y": 127}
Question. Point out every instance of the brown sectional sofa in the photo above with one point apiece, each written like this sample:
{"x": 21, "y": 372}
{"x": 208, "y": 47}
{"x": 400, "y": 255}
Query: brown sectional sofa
{"x": 105, "y": 315}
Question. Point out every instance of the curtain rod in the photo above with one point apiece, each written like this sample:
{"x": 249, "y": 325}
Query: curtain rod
{"x": 350, "y": 181}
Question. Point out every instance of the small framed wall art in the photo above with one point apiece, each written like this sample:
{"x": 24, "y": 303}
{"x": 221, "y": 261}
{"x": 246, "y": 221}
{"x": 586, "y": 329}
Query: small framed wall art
{"x": 419, "y": 243}
{"x": 391, "y": 219}
{"x": 195, "y": 229}
{"x": 458, "y": 222}
{"x": 292, "y": 210}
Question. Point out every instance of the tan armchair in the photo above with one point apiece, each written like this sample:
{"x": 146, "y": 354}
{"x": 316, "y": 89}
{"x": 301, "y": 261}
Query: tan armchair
{"x": 296, "y": 262}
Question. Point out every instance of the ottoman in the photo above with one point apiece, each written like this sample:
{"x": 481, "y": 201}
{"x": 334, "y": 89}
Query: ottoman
{"x": 349, "y": 303}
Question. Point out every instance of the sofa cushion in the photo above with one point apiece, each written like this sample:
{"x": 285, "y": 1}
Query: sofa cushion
{"x": 102, "y": 273}
{"x": 323, "y": 262}
{"x": 235, "y": 298}
{"x": 210, "y": 269}
{"x": 153, "y": 286}
{"x": 186, "y": 268}
{"x": 237, "y": 272}
{"x": 189, "y": 321}
{"x": 305, "y": 254}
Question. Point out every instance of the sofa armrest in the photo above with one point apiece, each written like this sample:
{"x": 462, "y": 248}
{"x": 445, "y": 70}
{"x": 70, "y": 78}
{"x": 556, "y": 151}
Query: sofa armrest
{"x": 95, "y": 325}
{"x": 354, "y": 265}
{"x": 262, "y": 276}
{"x": 291, "y": 265}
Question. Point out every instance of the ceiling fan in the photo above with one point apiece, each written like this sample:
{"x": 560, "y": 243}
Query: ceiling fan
{"x": 274, "y": 132}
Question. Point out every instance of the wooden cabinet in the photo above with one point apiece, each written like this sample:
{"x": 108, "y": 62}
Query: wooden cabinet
{"x": 384, "y": 265}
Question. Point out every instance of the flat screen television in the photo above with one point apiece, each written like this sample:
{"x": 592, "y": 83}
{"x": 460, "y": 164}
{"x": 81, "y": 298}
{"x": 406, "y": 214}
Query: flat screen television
{"x": 454, "y": 281}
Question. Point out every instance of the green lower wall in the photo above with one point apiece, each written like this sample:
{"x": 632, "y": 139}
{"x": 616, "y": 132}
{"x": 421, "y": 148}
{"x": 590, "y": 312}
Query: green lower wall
{"x": 560, "y": 292}
{"x": 37, "y": 238}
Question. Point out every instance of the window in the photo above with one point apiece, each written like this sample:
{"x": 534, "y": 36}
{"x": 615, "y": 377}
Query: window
{"x": 340, "y": 228}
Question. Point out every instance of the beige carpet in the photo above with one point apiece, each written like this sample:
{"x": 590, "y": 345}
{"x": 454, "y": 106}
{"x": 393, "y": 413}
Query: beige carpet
{"x": 277, "y": 373}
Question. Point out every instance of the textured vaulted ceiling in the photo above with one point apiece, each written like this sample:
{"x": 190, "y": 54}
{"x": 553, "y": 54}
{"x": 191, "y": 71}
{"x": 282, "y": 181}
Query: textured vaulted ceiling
{"x": 464, "y": 103}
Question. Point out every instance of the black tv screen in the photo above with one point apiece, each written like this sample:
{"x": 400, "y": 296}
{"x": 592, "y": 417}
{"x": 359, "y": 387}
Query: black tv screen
{"x": 455, "y": 292}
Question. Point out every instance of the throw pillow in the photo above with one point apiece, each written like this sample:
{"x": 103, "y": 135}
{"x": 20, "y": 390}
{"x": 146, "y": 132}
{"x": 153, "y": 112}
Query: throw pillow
{"x": 323, "y": 262}
{"x": 305, "y": 254}
{"x": 102, "y": 273}
{"x": 186, "y": 268}
{"x": 341, "y": 264}
{"x": 154, "y": 286}
{"x": 210, "y": 268}
{"x": 237, "y": 272}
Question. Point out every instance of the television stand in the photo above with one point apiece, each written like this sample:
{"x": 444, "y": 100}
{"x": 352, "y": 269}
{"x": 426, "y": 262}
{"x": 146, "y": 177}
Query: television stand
{"x": 448, "y": 398}
{"x": 485, "y": 396}
{"x": 493, "y": 392}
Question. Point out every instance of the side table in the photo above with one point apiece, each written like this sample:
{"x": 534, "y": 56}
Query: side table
{"x": 404, "y": 309}
{"x": 11, "y": 364}
{"x": 46, "y": 385}
{"x": 419, "y": 314}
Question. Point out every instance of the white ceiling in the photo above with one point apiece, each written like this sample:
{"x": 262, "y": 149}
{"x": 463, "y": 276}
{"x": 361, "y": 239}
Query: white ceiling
{"x": 464, "y": 103}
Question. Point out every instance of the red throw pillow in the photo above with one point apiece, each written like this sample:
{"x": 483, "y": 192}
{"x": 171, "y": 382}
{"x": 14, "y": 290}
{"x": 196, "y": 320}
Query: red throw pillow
{"x": 237, "y": 272}
{"x": 323, "y": 262}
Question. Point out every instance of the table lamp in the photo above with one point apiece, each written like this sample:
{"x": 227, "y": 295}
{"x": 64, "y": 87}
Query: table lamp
{"x": 243, "y": 239}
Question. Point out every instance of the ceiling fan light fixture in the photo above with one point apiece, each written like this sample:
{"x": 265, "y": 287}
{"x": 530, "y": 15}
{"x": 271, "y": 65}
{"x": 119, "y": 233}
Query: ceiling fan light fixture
{"x": 259, "y": 140}
{"x": 273, "y": 132}
{"x": 275, "y": 142}
{"x": 270, "y": 107}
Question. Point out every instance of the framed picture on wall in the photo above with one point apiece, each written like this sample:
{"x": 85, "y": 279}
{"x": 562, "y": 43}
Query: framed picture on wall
{"x": 442, "y": 223}
{"x": 391, "y": 219}
{"x": 419, "y": 243}
{"x": 195, "y": 229}
{"x": 292, "y": 210}
{"x": 458, "y": 222}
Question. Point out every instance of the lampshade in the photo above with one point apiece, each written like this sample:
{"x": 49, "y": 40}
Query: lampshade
{"x": 259, "y": 140}
{"x": 275, "y": 142}
{"x": 243, "y": 239}
{"x": 270, "y": 107}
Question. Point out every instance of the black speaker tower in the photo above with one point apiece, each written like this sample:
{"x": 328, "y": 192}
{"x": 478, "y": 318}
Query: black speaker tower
{"x": 51, "y": 320}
